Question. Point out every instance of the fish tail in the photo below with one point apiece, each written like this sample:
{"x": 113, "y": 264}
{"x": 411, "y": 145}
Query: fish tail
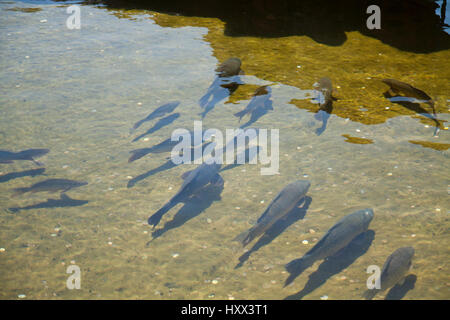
{"x": 19, "y": 191}
{"x": 154, "y": 219}
{"x": 14, "y": 210}
{"x": 296, "y": 267}
{"x": 240, "y": 114}
{"x": 248, "y": 236}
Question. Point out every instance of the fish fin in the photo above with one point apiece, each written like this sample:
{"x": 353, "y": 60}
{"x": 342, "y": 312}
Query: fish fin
{"x": 296, "y": 267}
{"x": 64, "y": 196}
{"x": 185, "y": 174}
{"x": 154, "y": 219}
{"x": 244, "y": 238}
{"x": 217, "y": 180}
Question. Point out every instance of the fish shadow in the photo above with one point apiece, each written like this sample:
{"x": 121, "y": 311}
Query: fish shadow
{"x": 219, "y": 90}
{"x": 398, "y": 291}
{"x": 258, "y": 113}
{"x": 160, "y": 124}
{"x": 293, "y": 216}
{"x": 63, "y": 202}
{"x": 334, "y": 264}
{"x": 192, "y": 207}
{"x": 413, "y": 106}
{"x": 19, "y": 174}
{"x": 166, "y": 166}
{"x": 324, "y": 116}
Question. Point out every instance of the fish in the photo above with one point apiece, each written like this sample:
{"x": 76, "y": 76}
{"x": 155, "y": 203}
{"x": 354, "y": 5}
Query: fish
{"x": 161, "y": 123}
{"x": 63, "y": 201}
{"x": 165, "y": 146}
{"x": 408, "y": 90}
{"x": 398, "y": 87}
{"x": 51, "y": 185}
{"x": 325, "y": 98}
{"x": 281, "y": 205}
{"x": 158, "y": 112}
{"x": 225, "y": 84}
{"x": 258, "y": 106}
{"x": 194, "y": 181}
{"x": 336, "y": 238}
{"x": 29, "y": 154}
{"x": 26, "y": 173}
{"x": 393, "y": 271}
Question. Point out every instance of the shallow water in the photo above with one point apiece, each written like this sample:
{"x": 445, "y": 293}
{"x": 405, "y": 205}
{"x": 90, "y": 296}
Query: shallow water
{"x": 78, "y": 93}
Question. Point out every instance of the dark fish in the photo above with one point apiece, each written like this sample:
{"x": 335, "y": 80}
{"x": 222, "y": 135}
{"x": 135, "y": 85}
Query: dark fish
{"x": 229, "y": 68}
{"x": 194, "y": 181}
{"x": 325, "y": 97}
{"x": 338, "y": 237}
{"x": 161, "y": 123}
{"x": 394, "y": 270}
{"x": 30, "y": 154}
{"x": 283, "y": 203}
{"x": 51, "y": 185}
{"x": 259, "y": 105}
{"x": 398, "y": 87}
{"x": 408, "y": 90}
{"x": 165, "y": 146}
{"x": 224, "y": 85}
{"x": 169, "y": 164}
{"x": 159, "y": 112}
{"x": 26, "y": 173}
{"x": 64, "y": 201}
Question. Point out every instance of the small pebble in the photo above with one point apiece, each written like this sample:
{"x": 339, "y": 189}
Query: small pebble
{"x": 211, "y": 295}
{"x": 262, "y": 201}
{"x": 208, "y": 220}
{"x": 357, "y": 130}
{"x": 230, "y": 298}
{"x": 110, "y": 243}
{"x": 413, "y": 235}
{"x": 175, "y": 255}
{"x": 65, "y": 166}
{"x": 72, "y": 261}
{"x": 305, "y": 241}
{"x": 110, "y": 189}
{"x": 43, "y": 20}
{"x": 387, "y": 108}
{"x": 145, "y": 231}
{"x": 170, "y": 188}
{"x": 312, "y": 231}
{"x": 384, "y": 241}
{"x": 389, "y": 174}
{"x": 139, "y": 103}
{"x": 215, "y": 281}
{"x": 238, "y": 208}
{"x": 438, "y": 210}
{"x": 53, "y": 235}
{"x": 21, "y": 296}
{"x": 146, "y": 139}
{"x": 324, "y": 297}
{"x": 2, "y": 249}
{"x": 27, "y": 57}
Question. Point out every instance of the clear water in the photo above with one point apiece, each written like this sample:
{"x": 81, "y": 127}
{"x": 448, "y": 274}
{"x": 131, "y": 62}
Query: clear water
{"x": 78, "y": 93}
